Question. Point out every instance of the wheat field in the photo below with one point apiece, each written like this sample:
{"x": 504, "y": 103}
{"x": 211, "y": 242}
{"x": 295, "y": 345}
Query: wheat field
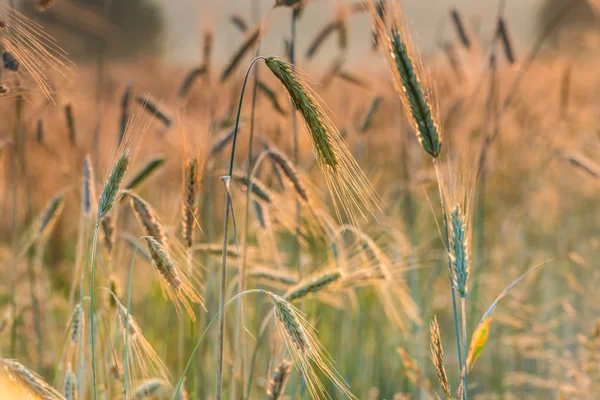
{"x": 264, "y": 227}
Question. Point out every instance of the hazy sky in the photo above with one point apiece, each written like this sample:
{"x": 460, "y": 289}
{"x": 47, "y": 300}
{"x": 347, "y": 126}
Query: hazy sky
{"x": 186, "y": 18}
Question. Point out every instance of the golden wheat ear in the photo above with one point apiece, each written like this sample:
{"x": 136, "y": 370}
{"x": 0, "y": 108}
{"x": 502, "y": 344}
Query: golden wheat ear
{"x": 32, "y": 48}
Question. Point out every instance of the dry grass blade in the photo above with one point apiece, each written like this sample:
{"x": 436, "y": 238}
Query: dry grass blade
{"x": 125, "y": 105}
{"x": 507, "y": 45}
{"x": 154, "y": 109}
{"x": 29, "y": 381}
{"x": 353, "y": 79}
{"x": 189, "y": 81}
{"x": 239, "y": 22}
{"x": 250, "y": 40}
{"x": 289, "y": 170}
{"x": 461, "y": 30}
{"x": 437, "y": 356}
{"x": 149, "y": 169}
{"x": 270, "y": 93}
{"x": 320, "y": 38}
{"x": 276, "y": 386}
{"x": 71, "y": 124}
{"x": 368, "y": 121}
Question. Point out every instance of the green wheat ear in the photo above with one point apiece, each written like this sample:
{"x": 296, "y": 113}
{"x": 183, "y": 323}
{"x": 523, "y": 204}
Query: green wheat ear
{"x": 306, "y": 105}
{"x": 418, "y": 100}
{"x": 350, "y": 189}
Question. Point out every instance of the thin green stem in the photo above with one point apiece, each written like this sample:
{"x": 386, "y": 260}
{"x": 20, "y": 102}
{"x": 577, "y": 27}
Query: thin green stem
{"x": 92, "y": 308}
{"x": 219, "y": 314}
{"x": 126, "y": 351}
{"x": 464, "y": 373}
{"x": 455, "y": 311}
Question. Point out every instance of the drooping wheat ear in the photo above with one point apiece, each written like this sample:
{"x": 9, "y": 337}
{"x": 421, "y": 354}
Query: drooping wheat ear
{"x": 107, "y": 224}
{"x": 88, "y": 189}
{"x": 507, "y": 45}
{"x": 323, "y": 34}
{"x": 349, "y": 187}
{"x": 332, "y": 71}
{"x": 173, "y": 281}
{"x": 191, "y": 187}
{"x": 418, "y": 100}
{"x": 290, "y": 172}
{"x": 270, "y": 93}
{"x": 154, "y": 109}
{"x": 249, "y": 41}
{"x": 29, "y": 381}
{"x": 272, "y": 275}
{"x": 34, "y": 49}
{"x": 43, "y": 5}
{"x": 148, "y": 219}
{"x": 461, "y": 30}
{"x": 142, "y": 358}
{"x": 39, "y": 132}
{"x": 412, "y": 370}
{"x": 149, "y": 388}
{"x": 51, "y": 214}
{"x": 189, "y": 80}
{"x": 353, "y": 79}
{"x": 125, "y": 106}
{"x": 459, "y": 254}
{"x": 261, "y": 214}
{"x": 290, "y": 323}
{"x": 149, "y": 169}
{"x": 70, "y": 385}
{"x": 276, "y": 386}
{"x": 437, "y": 356}
{"x": 215, "y": 249}
{"x": 368, "y": 121}
{"x": 313, "y": 284}
{"x": 115, "y": 290}
{"x": 239, "y": 22}
{"x": 222, "y": 141}
{"x": 207, "y": 49}
{"x": 71, "y": 124}
{"x": 583, "y": 162}
{"x": 113, "y": 183}
{"x": 258, "y": 188}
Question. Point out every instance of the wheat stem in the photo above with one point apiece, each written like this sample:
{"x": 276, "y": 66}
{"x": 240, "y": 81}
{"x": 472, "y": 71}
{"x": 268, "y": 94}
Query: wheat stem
{"x": 447, "y": 244}
{"x": 219, "y": 314}
{"x": 92, "y": 306}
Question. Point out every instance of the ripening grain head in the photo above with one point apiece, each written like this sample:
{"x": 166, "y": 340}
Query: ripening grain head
{"x": 349, "y": 187}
